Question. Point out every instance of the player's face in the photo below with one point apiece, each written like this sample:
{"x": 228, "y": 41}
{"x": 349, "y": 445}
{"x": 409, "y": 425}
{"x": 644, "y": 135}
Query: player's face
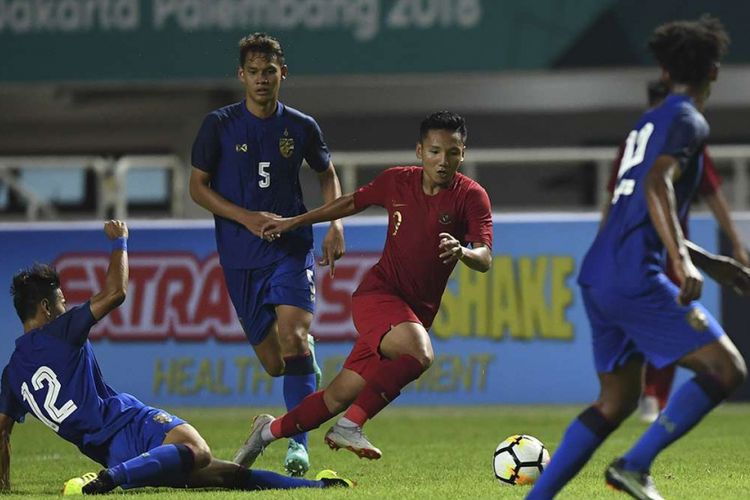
{"x": 442, "y": 153}
{"x": 262, "y": 78}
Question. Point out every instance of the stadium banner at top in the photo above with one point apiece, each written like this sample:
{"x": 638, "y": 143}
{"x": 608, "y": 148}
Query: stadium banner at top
{"x": 100, "y": 40}
{"x": 517, "y": 334}
{"x": 187, "y": 40}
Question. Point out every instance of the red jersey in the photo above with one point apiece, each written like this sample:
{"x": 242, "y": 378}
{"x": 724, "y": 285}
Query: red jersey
{"x": 410, "y": 266}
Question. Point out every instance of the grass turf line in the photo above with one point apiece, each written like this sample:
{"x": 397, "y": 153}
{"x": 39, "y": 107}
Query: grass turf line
{"x": 435, "y": 453}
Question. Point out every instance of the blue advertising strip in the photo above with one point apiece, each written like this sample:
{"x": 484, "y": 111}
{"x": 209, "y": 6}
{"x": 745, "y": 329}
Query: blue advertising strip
{"x": 517, "y": 334}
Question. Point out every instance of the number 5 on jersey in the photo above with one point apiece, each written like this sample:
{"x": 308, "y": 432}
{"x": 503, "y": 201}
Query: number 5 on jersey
{"x": 632, "y": 155}
{"x": 265, "y": 176}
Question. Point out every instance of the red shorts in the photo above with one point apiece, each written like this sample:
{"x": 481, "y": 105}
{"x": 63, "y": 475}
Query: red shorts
{"x": 374, "y": 316}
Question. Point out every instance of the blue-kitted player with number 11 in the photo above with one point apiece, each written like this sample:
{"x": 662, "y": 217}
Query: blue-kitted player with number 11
{"x": 246, "y": 162}
{"x": 634, "y": 309}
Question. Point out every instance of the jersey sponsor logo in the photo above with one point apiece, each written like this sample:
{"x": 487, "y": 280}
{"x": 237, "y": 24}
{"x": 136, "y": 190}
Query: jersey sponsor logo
{"x": 286, "y": 145}
{"x": 180, "y": 297}
{"x": 445, "y": 219}
{"x": 240, "y": 148}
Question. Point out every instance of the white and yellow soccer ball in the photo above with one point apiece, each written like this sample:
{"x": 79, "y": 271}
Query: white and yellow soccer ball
{"x": 519, "y": 459}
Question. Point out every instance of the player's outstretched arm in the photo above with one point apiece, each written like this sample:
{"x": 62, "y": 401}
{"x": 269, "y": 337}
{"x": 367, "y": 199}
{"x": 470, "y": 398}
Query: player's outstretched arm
{"x": 336, "y": 209}
{"x": 720, "y": 208}
{"x": 202, "y": 193}
{"x": 6, "y": 425}
{"x": 659, "y": 193}
{"x": 722, "y": 269}
{"x": 333, "y": 243}
{"x": 116, "y": 281}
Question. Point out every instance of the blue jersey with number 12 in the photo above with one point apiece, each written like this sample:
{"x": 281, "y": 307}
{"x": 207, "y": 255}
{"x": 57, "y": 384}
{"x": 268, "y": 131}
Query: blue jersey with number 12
{"x": 53, "y": 374}
{"x": 627, "y": 252}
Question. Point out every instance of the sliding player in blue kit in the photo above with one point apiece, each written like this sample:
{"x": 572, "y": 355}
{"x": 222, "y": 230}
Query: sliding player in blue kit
{"x": 633, "y": 308}
{"x": 246, "y": 163}
{"x": 54, "y": 375}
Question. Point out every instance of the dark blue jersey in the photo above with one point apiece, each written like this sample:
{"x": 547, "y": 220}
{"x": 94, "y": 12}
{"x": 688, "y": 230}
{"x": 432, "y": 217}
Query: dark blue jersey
{"x": 53, "y": 374}
{"x": 628, "y": 249}
{"x": 255, "y": 163}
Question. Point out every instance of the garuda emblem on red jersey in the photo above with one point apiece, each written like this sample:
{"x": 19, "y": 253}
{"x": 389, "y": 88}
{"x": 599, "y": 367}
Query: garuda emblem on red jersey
{"x": 286, "y": 145}
{"x": 445, "y": 219}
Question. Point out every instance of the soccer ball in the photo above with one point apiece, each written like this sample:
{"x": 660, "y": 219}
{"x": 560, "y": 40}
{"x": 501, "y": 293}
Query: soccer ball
{"x": 519, "y": 460}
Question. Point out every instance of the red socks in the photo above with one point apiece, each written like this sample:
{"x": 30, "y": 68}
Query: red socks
{"x": 307, "y": 415}
{"x": 383, "y": 388}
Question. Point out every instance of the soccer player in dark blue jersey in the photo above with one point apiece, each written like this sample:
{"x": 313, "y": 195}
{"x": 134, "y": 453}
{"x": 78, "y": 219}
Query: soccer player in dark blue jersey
{"x": 54, "y": 375}
{"x": 634, "y": 309}
{"x": 246, "y": 161}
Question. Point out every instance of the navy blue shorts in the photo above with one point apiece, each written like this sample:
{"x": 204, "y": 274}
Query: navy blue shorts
{"x": 144, "y": 432}
{"x": 255, "y": 292}
{"x": 651, "y": 323}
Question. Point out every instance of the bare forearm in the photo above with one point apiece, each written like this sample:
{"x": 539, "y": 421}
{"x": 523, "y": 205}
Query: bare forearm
{"x": 720, "y": 209}
{"x": 215, "y": 203}
{"x": 336, "y": 209}
{"x": 116, "y": 282}
{"x": 661, "y": 209}
{"x": 700, "y": 256}
{"x": 478, "y": 259}
{"x": 330, "y": 188}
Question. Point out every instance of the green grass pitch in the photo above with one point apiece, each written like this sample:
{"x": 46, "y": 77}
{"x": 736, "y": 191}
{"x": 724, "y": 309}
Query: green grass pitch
{"x": 430, "y": 453}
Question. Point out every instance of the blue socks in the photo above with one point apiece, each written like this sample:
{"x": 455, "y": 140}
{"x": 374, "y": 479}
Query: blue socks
{"x": 165, "y": 465}
{"x": 299, "y": 382}
{"x": 687, "y": 406}
{"x": 581, "y": 439}
{"x": 254, "y": 479}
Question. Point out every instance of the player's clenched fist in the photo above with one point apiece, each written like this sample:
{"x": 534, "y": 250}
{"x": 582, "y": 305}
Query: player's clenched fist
{"x": 115, "y": 229}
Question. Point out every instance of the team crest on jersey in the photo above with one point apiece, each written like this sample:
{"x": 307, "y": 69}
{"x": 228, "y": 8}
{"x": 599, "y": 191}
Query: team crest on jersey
{"x": 162, "y": 418}
{"x": 445, "y": 219}
{"x": 286, "y": 145}
{"x": 697, "y": 319}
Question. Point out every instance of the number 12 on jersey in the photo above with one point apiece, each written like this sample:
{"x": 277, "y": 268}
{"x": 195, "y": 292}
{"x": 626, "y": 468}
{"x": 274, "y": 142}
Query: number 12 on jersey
{"x": 45, "y": 374}
{"x": 632, "y": 156}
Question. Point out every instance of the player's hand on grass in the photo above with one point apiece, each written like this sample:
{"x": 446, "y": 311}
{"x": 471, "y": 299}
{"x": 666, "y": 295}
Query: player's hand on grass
{"x": 115, "y": 229}
{"x": 690, "y": 279}
{"x": 451, "y": 250}
{"x": 333, "y": 247}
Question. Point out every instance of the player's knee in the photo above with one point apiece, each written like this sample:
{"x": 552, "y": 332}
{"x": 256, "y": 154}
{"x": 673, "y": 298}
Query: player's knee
{"x": 425, "y": 358}
{"x": 616, "y": 410}
{"x": 201, "y": 454}
{"x": 294, "y": 339}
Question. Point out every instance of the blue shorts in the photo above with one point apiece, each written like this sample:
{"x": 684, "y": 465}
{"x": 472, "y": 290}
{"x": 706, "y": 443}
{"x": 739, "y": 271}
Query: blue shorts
{"x": 650, "y": 323}
{"x": 144, "y": 432}
{"x": 254, "y": 292}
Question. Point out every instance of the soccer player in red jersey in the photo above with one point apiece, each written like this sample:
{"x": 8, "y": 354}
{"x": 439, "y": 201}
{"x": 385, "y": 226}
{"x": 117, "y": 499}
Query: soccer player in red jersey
{"x": 657, "y": 382}
{"x": 437, "y": 217}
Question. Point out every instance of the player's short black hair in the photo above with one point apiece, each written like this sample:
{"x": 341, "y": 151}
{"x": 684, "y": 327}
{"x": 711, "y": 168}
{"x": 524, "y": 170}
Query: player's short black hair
{"x": 31, "y": 286}
{"x": 657, "y": 90}
{"x": 443, "y": 120}
{"x": 261, "y": 43}
{"x": 689, "y": 50}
